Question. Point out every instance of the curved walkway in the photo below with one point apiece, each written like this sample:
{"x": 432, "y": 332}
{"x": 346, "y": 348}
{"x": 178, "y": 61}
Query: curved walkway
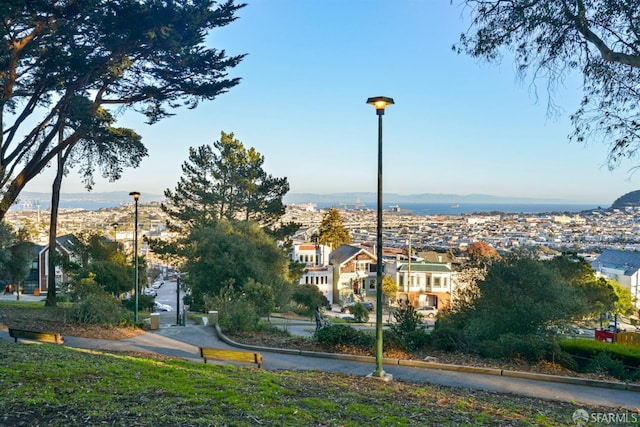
{"x": 184, "y": 342}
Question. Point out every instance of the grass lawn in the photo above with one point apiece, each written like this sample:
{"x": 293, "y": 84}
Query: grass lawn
{"x": 50, "y": 385}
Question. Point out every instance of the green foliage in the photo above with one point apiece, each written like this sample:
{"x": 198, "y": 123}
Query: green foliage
{"x": 605, "y": 364}
{"x": 261, "y": 296}
{"x": 345, "y": 335}
{"x": 16, "y": 254}
{"x": 308, "y": 297}
{"x": 407, "y": 319}
{"x": 225, "y": 181}
{"x": 406, "y": 332}
{"x": 145, "y": 303}
{"x": 554, "y": 39}
{"x": 448, "y": 338}
{"x": 359, "y": 312}
{"x": 596, "y": 295}
{"x": 96, "y": 307}
{"x": 236, "y": 312}
{"x": 529, "y": 347}
{"x": 514, "y": 297}
{"x": 332, "y": 231}
{"x": 78, "y": 69}
{"x": 585, "y": 349}
{"x": 233, "y": 252}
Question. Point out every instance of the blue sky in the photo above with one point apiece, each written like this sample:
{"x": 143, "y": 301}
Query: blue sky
{"x": 459, "y": 125}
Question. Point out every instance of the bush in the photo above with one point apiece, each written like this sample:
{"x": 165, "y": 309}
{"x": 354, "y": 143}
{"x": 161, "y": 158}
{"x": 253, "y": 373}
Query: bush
{"x": 449, "y": 339}
{"x": 360, "y": 312}
{"x": 345, "y": 335}
{"x": 528, "y": 347}
{"x": 309, "y": 297}
{"x": 416, "y": 340}
{"x": 603, "y": 363}
{"x": 407, "y": 319}
{"x": 145, "y": 303}
{"x": 96, "y": 308}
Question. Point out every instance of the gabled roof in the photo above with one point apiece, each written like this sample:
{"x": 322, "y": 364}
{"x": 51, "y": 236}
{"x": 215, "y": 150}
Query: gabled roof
{"x": 618, "y": 260}
{"x": 344, "y": 253}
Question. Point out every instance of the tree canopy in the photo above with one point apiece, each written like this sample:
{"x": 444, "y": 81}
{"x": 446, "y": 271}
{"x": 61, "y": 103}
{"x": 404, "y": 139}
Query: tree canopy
{"x": 62, "y": 64}
{"x": 599, "y": 39}
{"x": 332, "y": 231}
{"x": 225, "y": 180}
{"x": 236, "y": 253}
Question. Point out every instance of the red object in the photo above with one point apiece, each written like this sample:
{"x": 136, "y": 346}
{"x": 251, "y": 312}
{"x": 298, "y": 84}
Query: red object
{"x": 605, "y": 335}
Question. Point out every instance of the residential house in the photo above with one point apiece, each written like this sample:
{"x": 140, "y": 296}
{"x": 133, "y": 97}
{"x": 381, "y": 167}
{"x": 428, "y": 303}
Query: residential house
{"x": 37, "y": 281}
{"x": 317, "y": 270}
{"x": 423, "y": 283}
{"x": 354, "y": 274}
{"x": 621, "y": 266}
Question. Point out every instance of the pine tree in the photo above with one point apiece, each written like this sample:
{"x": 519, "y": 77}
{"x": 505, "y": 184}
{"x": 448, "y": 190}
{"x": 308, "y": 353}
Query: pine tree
{"x": 332, "y": 231}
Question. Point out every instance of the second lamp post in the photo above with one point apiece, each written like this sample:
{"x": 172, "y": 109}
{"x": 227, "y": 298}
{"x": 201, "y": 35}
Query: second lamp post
{"x": 380, "y": 102}
{"x": 136, "y": 288}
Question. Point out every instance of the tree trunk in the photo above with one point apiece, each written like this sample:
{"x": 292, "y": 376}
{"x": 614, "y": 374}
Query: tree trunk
{"x": 53, "y": 229}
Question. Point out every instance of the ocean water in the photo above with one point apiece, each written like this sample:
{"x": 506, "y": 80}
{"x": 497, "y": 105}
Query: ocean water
{"x": 469, "y": 208}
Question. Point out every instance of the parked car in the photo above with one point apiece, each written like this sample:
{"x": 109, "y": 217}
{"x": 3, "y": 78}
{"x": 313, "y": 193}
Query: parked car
{"x": 428, "y": 312}
{"x": 158, "y": 284}
{"x": 347, "y": 308}
{"x": 149, "y": 291}
{"x": 162, "y": 307}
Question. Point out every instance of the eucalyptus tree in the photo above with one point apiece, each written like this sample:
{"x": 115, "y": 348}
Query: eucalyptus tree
{"x": 550, "y": 39}
{"x": 63, "y": 63}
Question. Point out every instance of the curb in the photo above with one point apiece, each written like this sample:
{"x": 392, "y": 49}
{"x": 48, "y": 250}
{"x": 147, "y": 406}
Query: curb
{"x": 441, "y": 366}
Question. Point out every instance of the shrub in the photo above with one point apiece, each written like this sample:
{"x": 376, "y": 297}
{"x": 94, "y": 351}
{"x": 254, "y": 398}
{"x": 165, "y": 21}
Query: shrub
{"x": 407, "y": 319}
{"x": 529, "y": 347}
{"x": 345, "y": 335}
{"x": 360, "y": 312}
{"x": 416, "y": 340}
{"x": 309, "y": 297}
{"x": 96, "y": 308}
{"x": 603, "y": 363}
{"x": 448, "y": 338}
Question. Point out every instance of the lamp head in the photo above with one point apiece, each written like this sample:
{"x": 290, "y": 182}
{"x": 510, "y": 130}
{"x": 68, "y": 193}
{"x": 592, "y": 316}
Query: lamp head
{"x": 135, "y": 195}
{"x": 380, "y": 102}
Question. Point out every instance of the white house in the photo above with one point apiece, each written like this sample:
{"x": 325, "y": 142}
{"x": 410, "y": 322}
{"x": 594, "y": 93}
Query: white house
{"x": 317, "y": 269}
{"x": 623, "y": 267}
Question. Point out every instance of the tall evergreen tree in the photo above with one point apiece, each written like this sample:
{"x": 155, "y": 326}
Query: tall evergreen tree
{"x": 332, "y": 231}
{"x": 225, "y": 180}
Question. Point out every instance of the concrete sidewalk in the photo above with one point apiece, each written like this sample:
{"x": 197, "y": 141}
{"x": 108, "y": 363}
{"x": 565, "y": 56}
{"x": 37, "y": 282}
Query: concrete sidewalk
{"x": 184, "y": 342}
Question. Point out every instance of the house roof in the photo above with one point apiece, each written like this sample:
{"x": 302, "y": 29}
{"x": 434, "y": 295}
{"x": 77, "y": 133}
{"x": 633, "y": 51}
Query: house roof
{"x": 618, "y": 260}
{"x": 344, "y": 253}
{"x": 437, "y": 267}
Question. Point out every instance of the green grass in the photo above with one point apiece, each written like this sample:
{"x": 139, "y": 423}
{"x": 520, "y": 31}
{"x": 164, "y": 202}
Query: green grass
{"x": 61, "y": 386}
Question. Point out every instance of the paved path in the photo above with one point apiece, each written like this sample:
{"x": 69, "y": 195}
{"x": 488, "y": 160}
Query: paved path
{"x": 183, "y": 342}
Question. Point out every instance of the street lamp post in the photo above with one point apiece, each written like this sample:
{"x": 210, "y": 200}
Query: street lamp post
{"x": 380, "y": 102}
{"x": 115, "y": 233}
{"x": 136, "y": 196}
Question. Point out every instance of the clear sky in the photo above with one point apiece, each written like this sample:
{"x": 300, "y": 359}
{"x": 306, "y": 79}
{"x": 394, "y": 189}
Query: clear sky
{"x": 458, "y": 126}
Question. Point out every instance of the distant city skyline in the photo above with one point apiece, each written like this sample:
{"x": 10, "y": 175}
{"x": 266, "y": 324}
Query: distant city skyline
{"x": 458, "y": 125}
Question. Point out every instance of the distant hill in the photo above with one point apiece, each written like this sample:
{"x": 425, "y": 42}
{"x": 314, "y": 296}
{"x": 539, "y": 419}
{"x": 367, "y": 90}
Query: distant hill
{"x": 371, "y": 198}
{"x": 630, "y": 199}
{"x": 88, "y": 200}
